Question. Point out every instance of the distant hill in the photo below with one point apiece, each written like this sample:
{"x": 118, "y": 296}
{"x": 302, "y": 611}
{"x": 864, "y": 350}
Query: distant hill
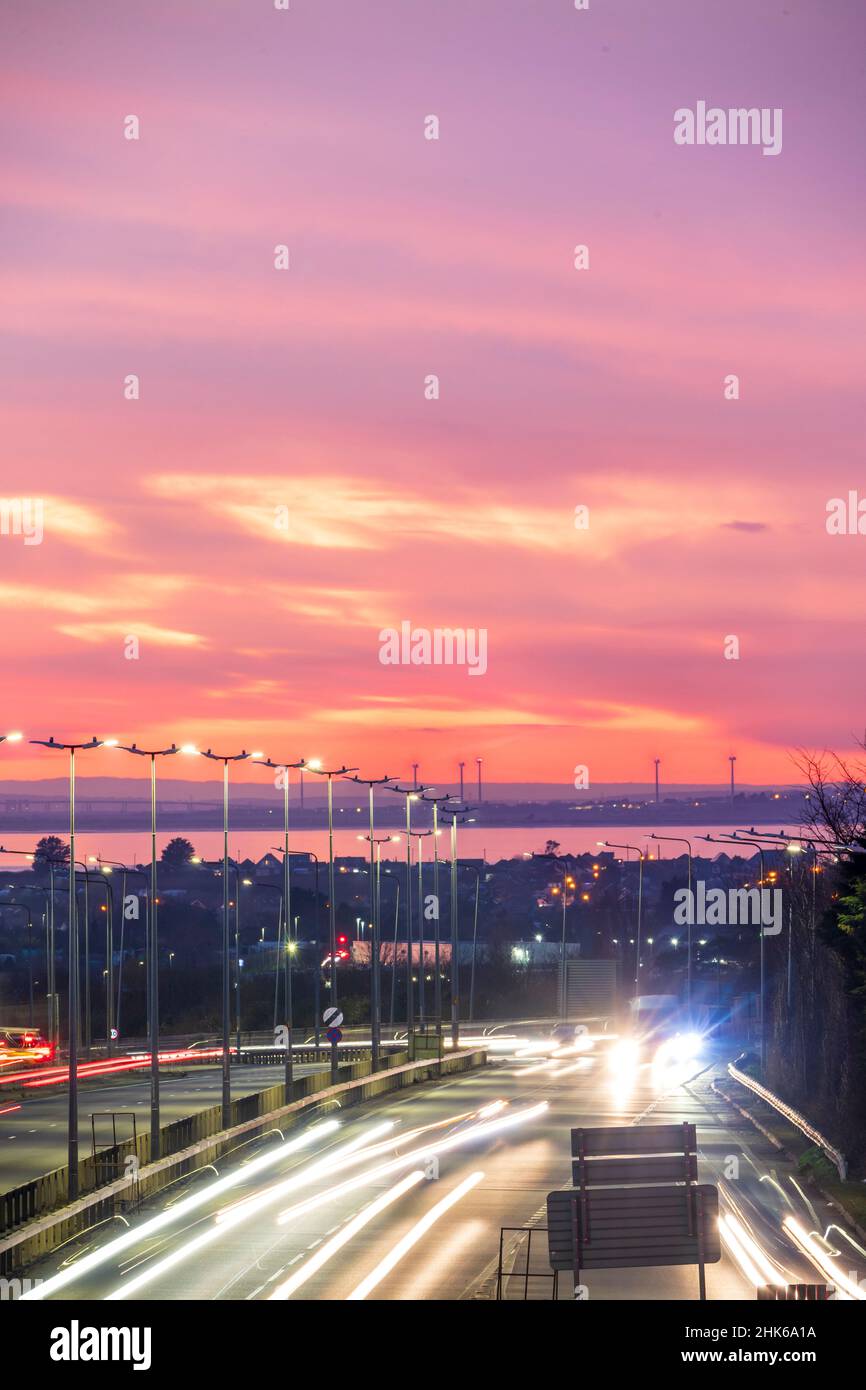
{"x": 258, "y": 786}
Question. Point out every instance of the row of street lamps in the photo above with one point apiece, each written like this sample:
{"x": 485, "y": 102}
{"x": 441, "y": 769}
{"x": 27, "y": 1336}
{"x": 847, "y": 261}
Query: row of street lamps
{"x": 450, "y": 806}
{"x": 792, "y": 844}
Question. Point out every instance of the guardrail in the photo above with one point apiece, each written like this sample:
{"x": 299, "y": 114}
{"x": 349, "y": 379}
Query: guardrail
{"x": 789, "y": 1113}
{"x": 96, "y": 1170}
{"x": 197, "y": 1145}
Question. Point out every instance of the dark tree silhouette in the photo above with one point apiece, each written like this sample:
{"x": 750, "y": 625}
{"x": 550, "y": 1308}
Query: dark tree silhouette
{"x": 50, "y": 850}
{"x": 177, "y": 853}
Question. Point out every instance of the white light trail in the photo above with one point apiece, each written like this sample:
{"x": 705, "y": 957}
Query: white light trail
{"x": 350, "y": 1230}
{"x": 395, "y": 1165}
{"x": 239, "y": 1213}
{"x": 769, "y": 1274}
{"x": 358, "y": 1150}
{"x": 406, "y": 1242}
{"x": 845, "y": 1236}
{"x": 166, "y": 1218}
{"x": 740, "y": 1256}
{"x": 845, "y": 1287}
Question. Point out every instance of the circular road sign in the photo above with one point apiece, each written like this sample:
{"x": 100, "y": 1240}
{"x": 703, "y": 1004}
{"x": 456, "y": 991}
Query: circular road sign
{"x": 334, "y": 1035}
{"x": 333, "y": 1017}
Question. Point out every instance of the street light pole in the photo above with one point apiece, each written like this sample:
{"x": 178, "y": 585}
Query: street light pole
{"x": 681, "y": 840}
{"x": 411, "y": 795}
{"x": 315, "y": 858}
{"x": 106, "y": 866}
{"x": 457, "y": 818}
{"x": 394, "y": 960}
{"x": 376, "y": 841}
{"x": 225, "y": 759}
{"x": 609, "y": 844}
{"x": 470, "y": 868}
{"x": 436, "y": 802}
{"x": 283, "y": 772}
{"x": 755, "y": 845}
{"x": 72, "y": 1112}
{"x": 153, "y": 937}
{"x": 331, "y": 773}
{"x": 375, "y": 925}
{"x": 109, "y": 975}
{"x": 565, "y": 860}
{"x": 420, "y": 835}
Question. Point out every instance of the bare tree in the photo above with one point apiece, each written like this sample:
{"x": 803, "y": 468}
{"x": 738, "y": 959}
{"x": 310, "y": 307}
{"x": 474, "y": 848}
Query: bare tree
{"x": 836, "y": 808}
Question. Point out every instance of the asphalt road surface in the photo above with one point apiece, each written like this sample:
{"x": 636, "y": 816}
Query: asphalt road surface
{"x": 321, "y": 1222}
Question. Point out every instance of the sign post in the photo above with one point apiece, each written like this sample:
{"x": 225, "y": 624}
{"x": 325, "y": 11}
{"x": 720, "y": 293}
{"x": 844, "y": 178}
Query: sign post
{"x": 332, "y": 1018}
{"x": 636, "y": 1202}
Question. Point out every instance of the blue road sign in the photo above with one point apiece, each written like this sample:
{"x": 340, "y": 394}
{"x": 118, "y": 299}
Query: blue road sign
{"x": 334, "y": 1035}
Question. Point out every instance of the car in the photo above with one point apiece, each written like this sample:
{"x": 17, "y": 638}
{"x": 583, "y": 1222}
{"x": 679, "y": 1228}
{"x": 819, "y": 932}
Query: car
{"x": 27, "y": 1045}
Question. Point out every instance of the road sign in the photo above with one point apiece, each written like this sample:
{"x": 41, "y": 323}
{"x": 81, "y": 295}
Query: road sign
{"x": 334, "y": 1035}
{"x": 634, "y": 1153}
{"x": 603, "y": 1224}
{"x": 634, "y": 1227}
{"x": 333, "y": 1017}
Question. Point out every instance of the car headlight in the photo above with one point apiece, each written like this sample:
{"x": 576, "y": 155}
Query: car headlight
{"x": 689, "y": 1045}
